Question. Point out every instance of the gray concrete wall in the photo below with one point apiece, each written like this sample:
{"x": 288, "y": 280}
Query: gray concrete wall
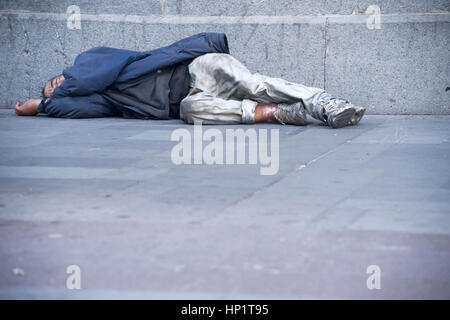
{"x": 401, "y": 68}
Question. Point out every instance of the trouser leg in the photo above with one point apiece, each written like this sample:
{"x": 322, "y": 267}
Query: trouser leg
{"x": 224, "y": 77}
{"x": 209, "y": 109}
{"x": 265, "y": 89}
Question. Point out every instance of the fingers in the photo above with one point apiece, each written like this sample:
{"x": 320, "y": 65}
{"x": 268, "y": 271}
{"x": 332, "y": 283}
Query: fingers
{"x": 17, "y": 108}
{"x": 29, "y": 108}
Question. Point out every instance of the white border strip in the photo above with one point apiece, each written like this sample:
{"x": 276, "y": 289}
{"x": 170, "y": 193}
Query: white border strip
{"x": 265, "y": 20}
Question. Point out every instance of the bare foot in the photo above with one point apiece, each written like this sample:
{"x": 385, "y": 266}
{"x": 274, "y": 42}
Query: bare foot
{"x": 29, "y": 108}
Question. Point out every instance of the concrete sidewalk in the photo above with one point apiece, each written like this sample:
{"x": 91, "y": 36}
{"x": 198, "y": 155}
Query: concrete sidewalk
{"x": 103, "y": 194}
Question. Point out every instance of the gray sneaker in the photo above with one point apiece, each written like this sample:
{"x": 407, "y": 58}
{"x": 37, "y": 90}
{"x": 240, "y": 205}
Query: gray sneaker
{"x": 291, "y": 114}
{"x": 340, "y": 113}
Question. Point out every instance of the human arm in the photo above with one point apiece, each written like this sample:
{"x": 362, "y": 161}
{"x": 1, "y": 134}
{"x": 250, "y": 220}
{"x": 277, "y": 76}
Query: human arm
{"x": 91, "y": 106}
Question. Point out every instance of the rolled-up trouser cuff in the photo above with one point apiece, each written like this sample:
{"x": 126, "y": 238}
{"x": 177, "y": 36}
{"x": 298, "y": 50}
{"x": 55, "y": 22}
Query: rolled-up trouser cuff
{"x": 248, "y": 111}
{"x": 318, "y": 108}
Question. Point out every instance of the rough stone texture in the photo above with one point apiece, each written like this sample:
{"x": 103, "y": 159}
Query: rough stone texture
{"x": 278, "y": 50}
{"x": 405, "y": 6}
{"x": 189, "y": 7}
{"x": 403, "y": 68}
{"x": 228, "y": 8}
{"x": 259, "y": 7}
{"x": 391, "y": 70}
{"x": 137, "y": 7}
{"x": 103, "y": 194}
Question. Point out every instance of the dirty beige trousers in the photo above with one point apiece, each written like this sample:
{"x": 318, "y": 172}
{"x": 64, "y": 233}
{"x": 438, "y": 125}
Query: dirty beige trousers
{"x": 224, "y": 91}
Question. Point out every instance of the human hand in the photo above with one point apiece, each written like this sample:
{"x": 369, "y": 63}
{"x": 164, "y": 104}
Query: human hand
{"x": 29, "y": 108}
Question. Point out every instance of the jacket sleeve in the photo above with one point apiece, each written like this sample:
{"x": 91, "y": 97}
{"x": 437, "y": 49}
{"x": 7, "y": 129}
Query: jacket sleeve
{"x": 185, "y": 49}
{"x": 94, "y": 70}
{"x": 92, "y": 106}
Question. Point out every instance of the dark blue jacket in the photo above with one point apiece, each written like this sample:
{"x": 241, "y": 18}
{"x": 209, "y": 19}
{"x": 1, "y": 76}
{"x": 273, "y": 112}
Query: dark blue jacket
{"x": 80, "y": 94}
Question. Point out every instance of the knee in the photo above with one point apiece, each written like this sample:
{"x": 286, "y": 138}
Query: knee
{"x": 186, "y": 112}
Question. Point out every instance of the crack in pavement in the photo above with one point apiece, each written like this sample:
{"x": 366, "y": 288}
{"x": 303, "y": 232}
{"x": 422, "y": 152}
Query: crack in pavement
{"x": 300, "y": 167}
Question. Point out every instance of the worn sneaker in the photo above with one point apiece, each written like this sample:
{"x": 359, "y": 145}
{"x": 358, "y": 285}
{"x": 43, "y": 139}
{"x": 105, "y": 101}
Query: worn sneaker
{"x": 291, "y": 114}
{"x": 340, "y": 113}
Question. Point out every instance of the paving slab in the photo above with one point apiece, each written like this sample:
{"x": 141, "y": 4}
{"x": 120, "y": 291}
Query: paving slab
{"x": 103, "y": 194}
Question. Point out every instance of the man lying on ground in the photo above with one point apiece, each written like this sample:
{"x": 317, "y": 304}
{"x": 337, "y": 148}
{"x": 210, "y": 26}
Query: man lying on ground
{"x": 195, "y": 79}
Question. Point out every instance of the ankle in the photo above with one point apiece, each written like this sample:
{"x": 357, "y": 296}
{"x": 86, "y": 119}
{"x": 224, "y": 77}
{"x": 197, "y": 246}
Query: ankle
{"x": 265, "y": 112}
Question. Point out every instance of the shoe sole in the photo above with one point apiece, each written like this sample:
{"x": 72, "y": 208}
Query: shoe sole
{"x": 343, "y": 118}
{"x": 349, "y": 116}
{"x": 358, "y": 115}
